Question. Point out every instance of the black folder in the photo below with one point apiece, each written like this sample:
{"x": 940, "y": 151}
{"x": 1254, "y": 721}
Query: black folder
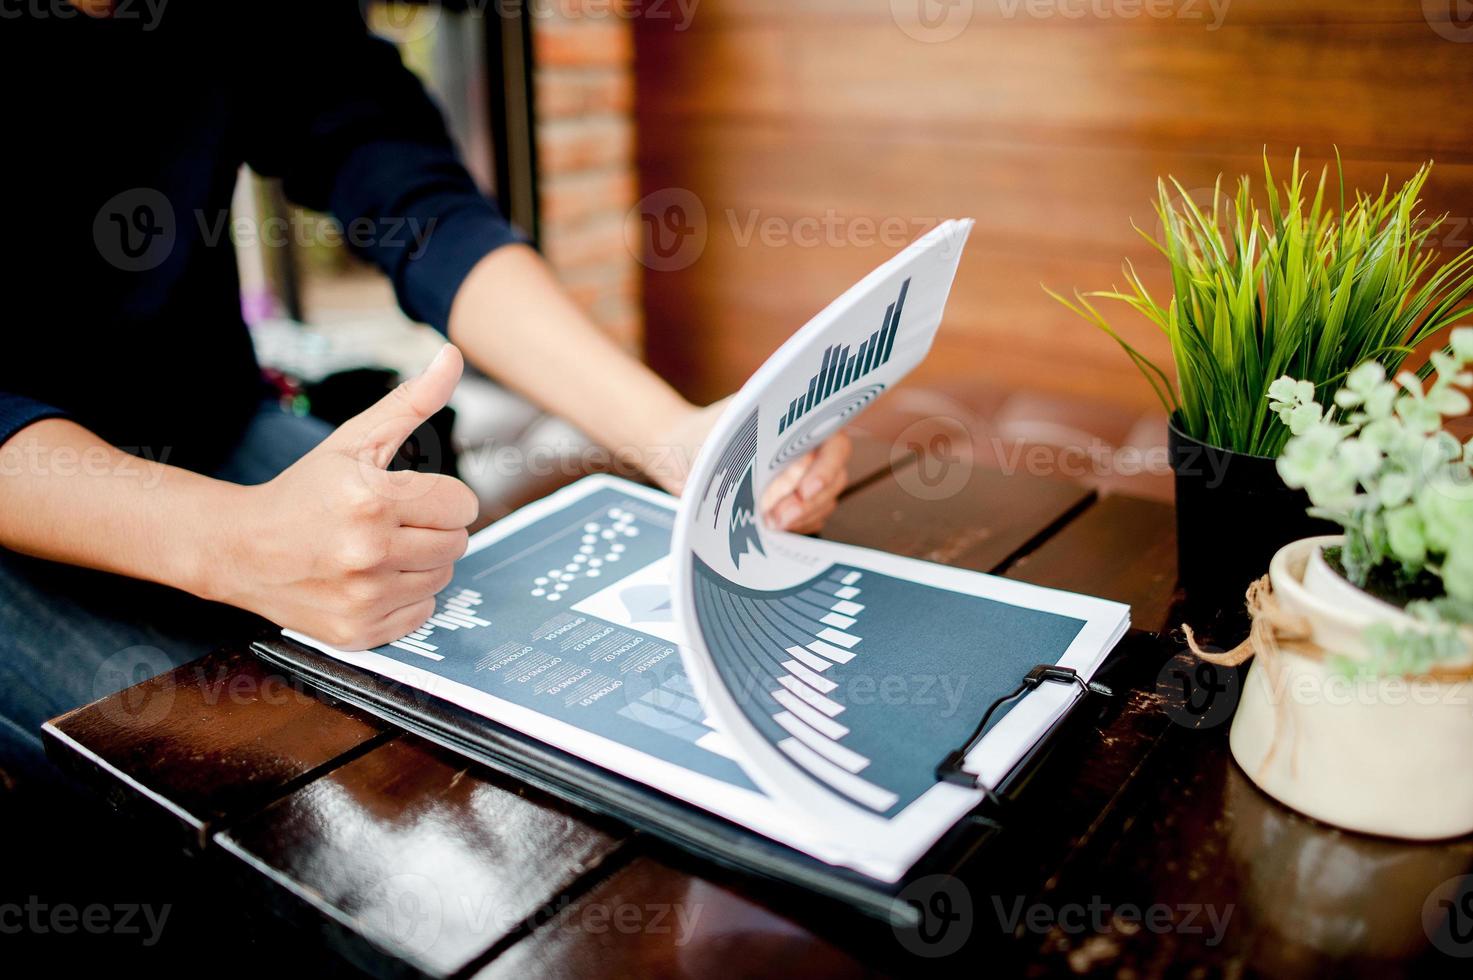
{"x": 645, "y": 809}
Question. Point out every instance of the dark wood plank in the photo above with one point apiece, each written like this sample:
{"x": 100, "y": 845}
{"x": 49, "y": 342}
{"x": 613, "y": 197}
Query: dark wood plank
{"x": 207, "y": 743}
{"x": 984, "y": 518}
{"x": 649, "y": 920}
{"x": 1121, "y": 548}
{"x": 410, "y": 853}
{"x": 871, "y": 460}
{"x": 1249, "y": 888}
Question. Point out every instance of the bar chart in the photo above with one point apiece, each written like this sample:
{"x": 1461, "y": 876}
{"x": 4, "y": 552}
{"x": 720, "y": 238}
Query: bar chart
{"x": 455, "y": 612}
{"x": 840, "y": 366}
{"x": 777, "y": 650}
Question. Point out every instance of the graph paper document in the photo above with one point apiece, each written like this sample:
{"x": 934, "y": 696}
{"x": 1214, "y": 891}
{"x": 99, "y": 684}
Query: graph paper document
{"x": 803, "y": 689}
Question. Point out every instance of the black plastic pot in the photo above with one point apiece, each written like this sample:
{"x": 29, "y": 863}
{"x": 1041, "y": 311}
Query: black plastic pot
{"x": 1232, "y": 513}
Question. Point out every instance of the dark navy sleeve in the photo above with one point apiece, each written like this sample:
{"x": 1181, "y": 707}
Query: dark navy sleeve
{"x": 352, "y": 132}
{"x": 17, "y": 412}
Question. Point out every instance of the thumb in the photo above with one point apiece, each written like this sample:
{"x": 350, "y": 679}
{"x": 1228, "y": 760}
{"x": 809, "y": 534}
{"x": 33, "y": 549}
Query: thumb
{"x": 376, "y": 433}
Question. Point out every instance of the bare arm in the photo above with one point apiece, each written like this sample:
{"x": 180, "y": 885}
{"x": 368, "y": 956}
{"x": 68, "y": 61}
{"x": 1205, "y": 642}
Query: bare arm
{"x": 335, "y": 546}
{"x": 68, "y": 496}
{"x": 517, "y": 324}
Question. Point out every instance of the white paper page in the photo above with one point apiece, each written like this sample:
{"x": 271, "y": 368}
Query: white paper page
{"x": 582, "y": 553}
{"x": 844, "y": 675}
{"x": 507, "y": 566}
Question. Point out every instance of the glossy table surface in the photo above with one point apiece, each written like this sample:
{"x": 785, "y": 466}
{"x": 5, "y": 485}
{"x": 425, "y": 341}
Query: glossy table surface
{"x": 1137, "y": 849}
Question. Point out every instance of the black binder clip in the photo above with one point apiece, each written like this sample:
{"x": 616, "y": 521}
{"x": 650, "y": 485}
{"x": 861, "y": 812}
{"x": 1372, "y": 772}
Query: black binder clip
{"x": 950, "y": 770}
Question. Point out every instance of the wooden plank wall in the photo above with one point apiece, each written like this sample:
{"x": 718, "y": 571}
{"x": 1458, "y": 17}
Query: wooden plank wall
{"x": 1046, "y": 120}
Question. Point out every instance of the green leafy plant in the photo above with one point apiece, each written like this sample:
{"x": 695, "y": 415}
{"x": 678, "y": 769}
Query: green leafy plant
{"x": 1293, "y": 290}
{"x": 1380, "y": 463}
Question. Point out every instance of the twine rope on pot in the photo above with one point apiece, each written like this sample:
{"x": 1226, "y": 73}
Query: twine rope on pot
{"x": 1274, "y": 629}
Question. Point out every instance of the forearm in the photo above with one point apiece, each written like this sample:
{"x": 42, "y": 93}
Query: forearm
{"x": 515, "y": 322}
{"x": 68, "y": 496}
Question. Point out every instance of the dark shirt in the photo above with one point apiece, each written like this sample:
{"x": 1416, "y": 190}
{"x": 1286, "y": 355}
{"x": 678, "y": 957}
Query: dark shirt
{"x": 123, "y": 142}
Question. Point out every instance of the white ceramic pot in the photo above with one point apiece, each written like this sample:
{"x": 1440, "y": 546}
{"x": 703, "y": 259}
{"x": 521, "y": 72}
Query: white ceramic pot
{"x": 1383, "y": 756}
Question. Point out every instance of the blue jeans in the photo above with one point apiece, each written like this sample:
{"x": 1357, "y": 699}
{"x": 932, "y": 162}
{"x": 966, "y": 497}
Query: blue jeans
{"x": 69, "y": 636}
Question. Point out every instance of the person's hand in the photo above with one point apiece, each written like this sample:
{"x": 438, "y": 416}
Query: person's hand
{"x": 800, "y": 499}
{"x": 341, "y": 549}
{"x": 804, "y": 495}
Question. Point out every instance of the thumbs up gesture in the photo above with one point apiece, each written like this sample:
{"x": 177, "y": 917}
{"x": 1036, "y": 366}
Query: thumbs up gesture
{"x": 340, "y": 548}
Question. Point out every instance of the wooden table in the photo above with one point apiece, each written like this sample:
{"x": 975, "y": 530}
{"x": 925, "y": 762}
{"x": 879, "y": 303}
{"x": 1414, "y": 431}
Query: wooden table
{"x": 1138, "y": 850}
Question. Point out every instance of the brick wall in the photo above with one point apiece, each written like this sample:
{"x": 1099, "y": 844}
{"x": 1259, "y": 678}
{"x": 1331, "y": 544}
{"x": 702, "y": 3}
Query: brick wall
{"x": 584, "y": 78}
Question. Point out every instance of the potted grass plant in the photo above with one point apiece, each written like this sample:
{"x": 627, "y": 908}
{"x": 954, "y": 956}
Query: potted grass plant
{"x": 1359, "y": 700}
{"x": 1309, "y": 286}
